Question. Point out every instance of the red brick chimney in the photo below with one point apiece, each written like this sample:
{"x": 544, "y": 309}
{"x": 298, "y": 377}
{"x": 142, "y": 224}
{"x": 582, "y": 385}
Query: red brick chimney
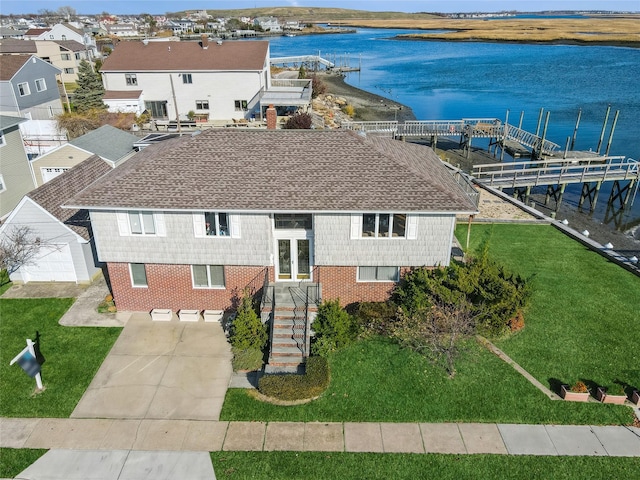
{"x": 205, "y": 41}
{"x": 272, "y": 118}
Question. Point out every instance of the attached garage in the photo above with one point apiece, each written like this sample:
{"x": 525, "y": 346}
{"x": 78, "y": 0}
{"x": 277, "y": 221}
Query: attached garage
{"x": 54, "y": 263}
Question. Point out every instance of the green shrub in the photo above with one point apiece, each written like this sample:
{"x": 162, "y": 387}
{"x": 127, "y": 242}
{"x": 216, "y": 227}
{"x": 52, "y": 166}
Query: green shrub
{"x": 349, "y": 110}
{"x": 334, "y": 329}
{"x": 375, "y": 318}
{"x": 247, "y": 359}
{"x": 298, "y": 387}
{"x": 495, "y": 295}
{"x": 247, "y": 330}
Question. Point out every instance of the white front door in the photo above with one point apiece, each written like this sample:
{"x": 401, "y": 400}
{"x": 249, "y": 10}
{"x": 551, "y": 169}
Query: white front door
{"x": 294, "y": 259}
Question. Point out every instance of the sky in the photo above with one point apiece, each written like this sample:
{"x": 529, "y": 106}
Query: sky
{"x": 161, "y": 6}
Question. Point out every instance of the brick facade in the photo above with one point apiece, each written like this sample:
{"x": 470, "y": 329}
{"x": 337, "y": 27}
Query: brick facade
{"x": 170, "y": 286}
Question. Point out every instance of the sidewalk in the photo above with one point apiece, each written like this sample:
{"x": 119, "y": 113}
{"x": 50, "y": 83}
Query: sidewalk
{"x": 205, "y": 436}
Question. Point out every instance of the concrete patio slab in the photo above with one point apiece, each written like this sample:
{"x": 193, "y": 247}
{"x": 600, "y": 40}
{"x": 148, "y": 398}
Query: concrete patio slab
{"x": 76, "y": 465}
{"x": 363, "y": 437}
{"x": 284, "y": 436}
{"x": 161, "y": 435}
{"x": 618, "y": 441}
{"x": 14, "y": 432}
{"x": 205, "y": 436}
{"x": 482, "y": 438}
{"x": 323, "y": 437}
{"x": 575, "y": 440}
{"x": 245, "y": 436}
{"x": 527, "y": 440}
{"x": 401, "y": 438}
{"x": 442, "y": 438}
{"x": 167, "y": 466}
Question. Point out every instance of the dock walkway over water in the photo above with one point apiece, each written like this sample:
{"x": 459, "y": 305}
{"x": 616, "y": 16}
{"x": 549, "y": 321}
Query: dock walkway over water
{"x": 548, "y": 165}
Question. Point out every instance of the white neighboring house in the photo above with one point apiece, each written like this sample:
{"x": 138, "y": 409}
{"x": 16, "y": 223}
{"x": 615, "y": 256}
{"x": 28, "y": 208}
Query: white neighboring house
{"x": 67, "y": 251}
{"x": 217, "y": 81}
{"x": 268, "y": 24}
{"x": 122, "y": 30}
{"x": 66, "y": 31}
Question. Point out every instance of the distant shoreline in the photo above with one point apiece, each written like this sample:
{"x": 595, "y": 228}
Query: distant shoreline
{"x": 575, "y": 42}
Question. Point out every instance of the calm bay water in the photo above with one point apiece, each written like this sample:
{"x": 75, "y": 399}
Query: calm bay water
{"x": 453, "y": 80}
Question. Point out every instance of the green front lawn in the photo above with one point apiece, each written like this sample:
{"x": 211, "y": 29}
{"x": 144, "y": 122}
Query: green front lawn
{"x": 330, "y": 465}
{"x": 15, "y": 460}
{"x": 584, "y": 317}
{"x": 73, "y": 356}
{"x": 377, "y": 381}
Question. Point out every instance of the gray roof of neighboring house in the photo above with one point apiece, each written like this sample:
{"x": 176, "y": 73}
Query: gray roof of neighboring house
{"x": 280, "y": 170}
{"x": 108, "y": 142}
{"x": 7, "y": 122}
{"x": 54, "y": 193}
{"x": 15, "y": 45}
{"x": 70, "y": 45}
{"x": 135, "y": 56}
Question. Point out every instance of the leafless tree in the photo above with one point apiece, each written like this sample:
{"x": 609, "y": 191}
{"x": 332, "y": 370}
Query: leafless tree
{"x": 18, "y": 247}
{"x": 436, "y": 332}
{"x": 69, "y": 13}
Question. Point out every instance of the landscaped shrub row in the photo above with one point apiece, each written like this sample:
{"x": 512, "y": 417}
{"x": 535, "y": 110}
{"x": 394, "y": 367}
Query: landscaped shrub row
{"x": 298, "y": 387}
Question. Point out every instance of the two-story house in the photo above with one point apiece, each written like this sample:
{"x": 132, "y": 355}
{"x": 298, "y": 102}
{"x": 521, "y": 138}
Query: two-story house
{"x": 193, "y": 221}
{"x": 217, "y": 81}
{"x": 65, "y": 31}
{"x": 16, "y": 178}
{"x": 29, "y": 87}
{"x": 268, "y": 24}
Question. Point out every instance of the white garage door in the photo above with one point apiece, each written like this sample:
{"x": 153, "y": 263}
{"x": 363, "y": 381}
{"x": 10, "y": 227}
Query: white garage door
{"x": 51, "y": 173}
{"x": 53, "y": 264}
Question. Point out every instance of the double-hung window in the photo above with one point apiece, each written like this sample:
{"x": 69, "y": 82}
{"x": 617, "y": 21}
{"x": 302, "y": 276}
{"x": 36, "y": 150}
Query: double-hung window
{"x": 208, "y": 276}
{"x": 138, "y": 275}
{"x": 202, "y": 104}
{"x": 384, "y": 225}
{"x": 65, "y": 56}
{"x": 216, "y": 223}
{"x": 187, "y": 78}
{"x": 378, "y": 274}
{"x": 23, "y": 89}
{"x": 240, "y": 105}
{"x": 131, "y": 78}
{"x": 41, "y": 85}
{"x": 141, "y": 223}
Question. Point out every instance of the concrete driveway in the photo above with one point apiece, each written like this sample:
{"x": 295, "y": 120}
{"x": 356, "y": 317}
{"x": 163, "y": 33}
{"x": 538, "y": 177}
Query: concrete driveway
{"x": 161, "y": 370}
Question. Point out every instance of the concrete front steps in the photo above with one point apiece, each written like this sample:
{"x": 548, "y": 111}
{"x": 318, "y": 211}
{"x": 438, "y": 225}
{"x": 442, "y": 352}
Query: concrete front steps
{"x": 286, "y": 354}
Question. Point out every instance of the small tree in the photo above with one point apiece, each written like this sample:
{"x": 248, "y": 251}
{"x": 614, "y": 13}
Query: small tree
{"x": 334, "y": 329}
{"x": 18, "y": 247}
{"x": 302, "y": 72}
{"x": 299, "y": 121}
{"x": 436, "y": 332}
{"x": 247, "y": 330}
{"x": 318, "y": 87}
{"x": 90, "y": 90}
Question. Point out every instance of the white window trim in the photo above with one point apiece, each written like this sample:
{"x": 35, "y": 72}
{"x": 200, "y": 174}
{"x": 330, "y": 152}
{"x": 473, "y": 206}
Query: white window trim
{"x": 133, "y": 285}
{"x": 200, "y": 230}
{"x": 3, "y": 185}
{"x": 358, "y": 280}
{"x": 44, "y": 85}
{"x": 210, "y": 286}
{"x": 410, "y": 229}
{"x": 27, "y": 89}
{"x": 124, "y": 228}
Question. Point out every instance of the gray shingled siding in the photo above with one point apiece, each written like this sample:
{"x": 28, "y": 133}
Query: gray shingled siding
{"x": 51, "y": 231}
{"x": 334, "y": 246}
{"x": 180, "y": 246}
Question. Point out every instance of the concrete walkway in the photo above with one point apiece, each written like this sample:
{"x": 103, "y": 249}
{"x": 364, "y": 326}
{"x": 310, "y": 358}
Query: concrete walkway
{"x": 205, "y": 436}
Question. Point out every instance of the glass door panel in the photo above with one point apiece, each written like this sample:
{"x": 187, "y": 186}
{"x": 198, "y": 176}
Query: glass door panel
{"x": 284, "y": 259}
{"x": 304, "y": 269}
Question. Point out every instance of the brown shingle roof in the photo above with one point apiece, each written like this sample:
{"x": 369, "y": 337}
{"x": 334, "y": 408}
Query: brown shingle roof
{"x": 36, "y": 31}
{"x": 10, "y": 64}
{"x": 121, "y": 94}
{"x": 134, "y": 56}
{"x": 54, "y": 193}
{"x": 71, "y": 45}
{"x": 14, "y": 45}
{"x": 281, "y": 170}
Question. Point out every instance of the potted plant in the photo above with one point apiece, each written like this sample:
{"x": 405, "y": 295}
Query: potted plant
{"x": 614, "y": 394}
{"x": 578, "y": 392}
